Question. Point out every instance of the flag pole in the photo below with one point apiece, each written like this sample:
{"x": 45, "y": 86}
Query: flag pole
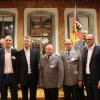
{"x": 75, "y": 30}
{"x": 75, "y": 36}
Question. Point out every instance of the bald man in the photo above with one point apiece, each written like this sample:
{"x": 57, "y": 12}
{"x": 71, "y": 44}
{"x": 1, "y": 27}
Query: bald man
{"x": 91, "y": 66}
{"x": 8, "y": 62}
{"x": 51, "y": 73}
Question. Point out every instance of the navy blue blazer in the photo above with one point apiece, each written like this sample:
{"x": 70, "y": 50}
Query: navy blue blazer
{"x": 14, "y": 63}
{"x": 94, "y": 64}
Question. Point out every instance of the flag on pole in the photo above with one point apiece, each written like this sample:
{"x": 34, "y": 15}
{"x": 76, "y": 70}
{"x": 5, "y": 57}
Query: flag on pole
{"x": 75, "y": 35}
{"x": 74, "y": 21}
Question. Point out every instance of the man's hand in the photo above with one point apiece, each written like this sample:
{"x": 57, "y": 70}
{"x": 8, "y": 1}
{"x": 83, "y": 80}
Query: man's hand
{"x": 98, "y": 86}
{"x": 19, "y": 87}
{"x": 80, "y": 83}
{"x": 41, "y": 85}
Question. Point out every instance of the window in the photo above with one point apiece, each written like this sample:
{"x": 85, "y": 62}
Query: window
{"x": 40, "y": 30}
{"x": 41, "y": 25}
{"x": 83, "y": 20}
{"x": 6, "y": 25}
{"x": 87, "y": 18}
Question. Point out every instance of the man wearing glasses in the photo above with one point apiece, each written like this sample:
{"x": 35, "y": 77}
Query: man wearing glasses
{"x": 91, "y": 68}
{"x": 72, "y": 71}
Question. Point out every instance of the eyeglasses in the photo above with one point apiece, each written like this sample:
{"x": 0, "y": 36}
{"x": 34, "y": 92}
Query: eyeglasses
{"x": 88, "y": 39}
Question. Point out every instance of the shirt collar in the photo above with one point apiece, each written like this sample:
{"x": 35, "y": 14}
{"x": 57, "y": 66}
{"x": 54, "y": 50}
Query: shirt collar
{"x": 8, "y": 50}
{"x": 26, "y": 50}
{"x": 92, "y": 46}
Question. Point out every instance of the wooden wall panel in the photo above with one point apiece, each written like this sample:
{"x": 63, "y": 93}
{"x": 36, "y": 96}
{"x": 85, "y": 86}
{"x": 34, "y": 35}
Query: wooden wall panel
{"x": 61, "y": 29}
{"x": 61, "y": 5}
{"x": 20, "y": 34}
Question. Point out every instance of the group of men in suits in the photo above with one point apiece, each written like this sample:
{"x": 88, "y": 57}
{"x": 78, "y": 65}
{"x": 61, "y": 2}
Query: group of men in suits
{"x": 81, "y": 67}
{"x": 89, "y": 69}
{"x": 18, "y": 69}
{"x": 73, "y": 69}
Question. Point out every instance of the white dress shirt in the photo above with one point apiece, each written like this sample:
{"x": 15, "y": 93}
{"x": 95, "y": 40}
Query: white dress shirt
{"x": 90, "y": 51}
{"x": 27, "y": 54}
{"x": 8, "y": 63}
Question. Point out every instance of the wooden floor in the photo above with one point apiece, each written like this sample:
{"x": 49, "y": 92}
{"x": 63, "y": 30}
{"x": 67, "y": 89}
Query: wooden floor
{"x": 40, "y": 95}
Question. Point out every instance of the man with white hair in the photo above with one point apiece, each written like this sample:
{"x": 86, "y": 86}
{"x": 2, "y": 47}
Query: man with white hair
{"x": 9, "y": 70}
{"x": 80, "y": 45}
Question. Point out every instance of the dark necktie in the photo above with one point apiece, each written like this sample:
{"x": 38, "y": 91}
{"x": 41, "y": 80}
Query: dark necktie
{"x": 48, "y": 58}
{"x": 83, "y": 43}
{"x": 68, "y": 53}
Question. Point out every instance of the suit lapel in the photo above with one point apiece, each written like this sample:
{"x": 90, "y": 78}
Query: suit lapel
{"x": 11, "y": 56}
{"x": 92, "y": 56}
{"x": 24, "y": 56}
{"x": 51, "y": 57}
{"x": 3, "y": 59}
{"x": 31, "y": 58}
{"x": 72, "y": 54}
{"x": 86, "y": 53}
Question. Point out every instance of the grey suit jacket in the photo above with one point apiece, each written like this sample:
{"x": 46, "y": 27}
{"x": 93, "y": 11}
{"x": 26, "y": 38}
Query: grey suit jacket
{"x": 72, "y": 68}
{"x": 51, "y": 71}
{"x": 79, "y": 46}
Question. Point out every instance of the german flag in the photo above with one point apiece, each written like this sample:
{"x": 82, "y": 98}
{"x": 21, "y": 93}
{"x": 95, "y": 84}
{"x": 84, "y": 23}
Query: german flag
{"x": 75, "y": 35}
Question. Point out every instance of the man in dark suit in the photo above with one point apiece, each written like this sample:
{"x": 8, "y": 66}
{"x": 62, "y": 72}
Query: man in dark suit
{"x": 91, "y": 67}
{"x": 29, "y": 74}
{"x": 9, "y": 71}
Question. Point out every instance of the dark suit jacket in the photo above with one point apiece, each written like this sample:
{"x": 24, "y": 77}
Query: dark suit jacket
{"x": 94, "y": 64}
{"x": 24, "y": 66}
{"x": 14, "y": 63}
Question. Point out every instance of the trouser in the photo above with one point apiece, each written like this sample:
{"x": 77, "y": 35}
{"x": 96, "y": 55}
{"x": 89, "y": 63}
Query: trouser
{"x": 70, "y": 92}
{"x": 92, "y": 92}
{"x": 51, "y": 94}
{"x": 9, "y": 81}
